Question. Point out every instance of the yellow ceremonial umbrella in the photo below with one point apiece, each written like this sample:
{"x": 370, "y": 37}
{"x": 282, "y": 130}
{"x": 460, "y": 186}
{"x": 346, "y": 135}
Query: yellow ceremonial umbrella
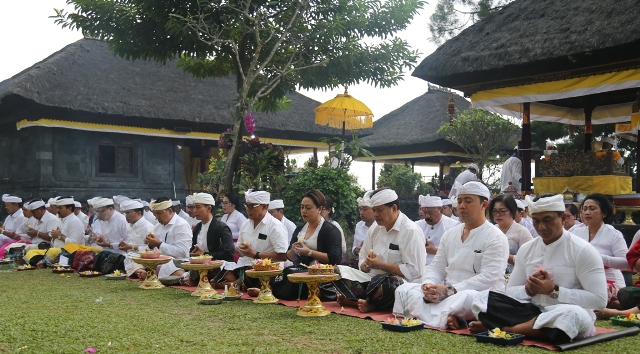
{"x": 344, "y": 111}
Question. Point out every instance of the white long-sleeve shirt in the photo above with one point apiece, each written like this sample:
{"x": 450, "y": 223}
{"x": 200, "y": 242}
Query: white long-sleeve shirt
{"x": 137, "y": 233}
{"x": 511, "y": 174}
{"x": 361, "y": 232}
{"x": 573, "y": 264}
{"x": 433, "y": 233}
{"x": 613, "y": 250}
{"x": 71, "y": 227}
{"x": 268, "y": 236}
{"x": 114, "y": 230}
{"x": 14, "y": 221}
{"x": 478, "y": 263}
{"x": 175, "y": 236}
{"x": 289, "y": 225}
{"x": 403, "y": 245}
{"x": 517, "y": 235}
{"x": 46, "y": 224}
{"x": 84, "y": 218}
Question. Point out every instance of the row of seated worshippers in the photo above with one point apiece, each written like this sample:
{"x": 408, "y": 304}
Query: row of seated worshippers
{"x": 557, "y": 281}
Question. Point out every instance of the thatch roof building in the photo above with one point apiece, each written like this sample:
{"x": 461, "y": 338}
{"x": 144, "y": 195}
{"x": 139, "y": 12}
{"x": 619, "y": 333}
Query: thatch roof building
{"x": 89, "y": 123}
{"x": 98, "y": 87}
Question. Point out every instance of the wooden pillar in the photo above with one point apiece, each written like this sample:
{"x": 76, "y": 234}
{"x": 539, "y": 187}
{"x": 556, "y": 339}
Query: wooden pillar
{"x": 315, "y": 154}
{"x": 373, "y": 174}
{"x": 526, "y": 148}
{"x": 635, "y": 108}
{"x": 441, "y": 188}
{"x": 413, "y": 166}
{"x": 588, "y": 132}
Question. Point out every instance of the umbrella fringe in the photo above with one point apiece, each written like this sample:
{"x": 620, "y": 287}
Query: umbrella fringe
{"x": 351, "y": 122}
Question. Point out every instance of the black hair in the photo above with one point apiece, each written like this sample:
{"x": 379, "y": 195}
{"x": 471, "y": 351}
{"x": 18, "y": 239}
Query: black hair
{"x": 328, "y": 205}
{"x": 233, "y": 199}
{"x": 605, "y": 205}
{"x": 572, "y": 209}
{"x": 317, "y": 197}
{"x": 508, "y": 202}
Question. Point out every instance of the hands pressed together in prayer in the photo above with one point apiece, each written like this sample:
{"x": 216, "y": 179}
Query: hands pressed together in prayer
{"x": 372, "y": 262}
{"x": 152, "y": 241}
{"x": 539, "y": 283}
{"x": 431, "y": 249}
{"x": 434, "y": 293}
{"x": 123, "y": 246}
{"x": 57, "y": 234}
{"x": 300, "y": 248}
{"x": 32, "y": 232}
{"x": 101, "y": 241}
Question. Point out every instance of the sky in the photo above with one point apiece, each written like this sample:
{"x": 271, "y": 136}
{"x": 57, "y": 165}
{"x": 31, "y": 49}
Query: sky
{"x": 28, "y": 35}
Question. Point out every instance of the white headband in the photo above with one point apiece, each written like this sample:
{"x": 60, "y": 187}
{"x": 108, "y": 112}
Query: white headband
{"x": 102, "y": 202}
{"x": 64, "y": 201}
{"x": 447, "y": 201}
{"x": 77, "y": 204}
{"x": 130, "y": 204}
{"x": 362, "y": 202}
{"x": 160, "y": 206}
{"x": 472, "y": 187}
{"x": 35, "y": 204}
{"x": 258, "y": 197}
{"x": 383, "y": 196}
{"x": 427, "y": 201}
{"x": 188, "y": 201}
{"x": 554, "y": 203}
{"x": 175, "y": 202}
{"x": 276, "y": 204}
{"x": 145, "y": 203}
{"x": 201, "y": 198}
{"x": 519, "y": 204}
{"x": 7, "y": 198}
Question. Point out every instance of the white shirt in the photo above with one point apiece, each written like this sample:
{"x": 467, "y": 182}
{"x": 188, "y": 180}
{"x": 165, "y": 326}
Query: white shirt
{"x": 137, "y": 233}
{"x": 46, "y": 223}
{"x": 528, "y": 223}
{"x": 13, "y": 222}
{"x": 183, "y": 215}
{"x": 517, "y": 235}
{"x": 613, "y": 250}
{"x": 148, "y": 215}
{"x": 344, "y": 242}
{"x": 202, "y": 236}
{"x": 289, "y": 225}
{"x": 403, "y": 245}
{"x": 71, "y": 227}
{"x": 84, "y": 218}
{"x": 113, "y": 230}
{"x": 511, "y": 174}
{"x": 478, "y": 263}
{"x": 573, "y": 264}
{"x": 433, "y": 233}
{"x": 360, "y": 233}
{"x": 26, "y": 225}
{"x": 464, "y": 177}
{"x": 268, "y": 236}
{"x": 192, "y": 221}
{"x": 312, "y": 241}
{"x": 176, "y": 237}
{"x": 234, "y": 220}
{"x": 575, "y": 226}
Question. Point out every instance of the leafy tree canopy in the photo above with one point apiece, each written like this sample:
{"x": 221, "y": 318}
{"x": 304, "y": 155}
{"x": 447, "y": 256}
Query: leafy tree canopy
{"x": 482, "y": 134}
{"x": 403, "y": 181}
{"x": 452, "y": 16}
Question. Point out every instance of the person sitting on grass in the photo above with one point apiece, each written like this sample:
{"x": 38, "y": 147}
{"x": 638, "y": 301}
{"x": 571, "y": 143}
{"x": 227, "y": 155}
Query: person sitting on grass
{"x": 261, "y": 236}
{"x": 172, "y": 236}
{"x": 472, "y": 257}
{"x": 393, "y": 252}
{"x": 139, "y": 228}
{"x": 210, "y": 236}
{"x": 557, "y": 281}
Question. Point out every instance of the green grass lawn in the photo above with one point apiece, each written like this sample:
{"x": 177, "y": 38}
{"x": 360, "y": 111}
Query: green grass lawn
{"x": 45, "y": 313}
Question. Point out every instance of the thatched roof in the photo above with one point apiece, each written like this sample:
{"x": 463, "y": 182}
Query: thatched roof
{"x": 532, "y": 41}
{"x": 85, "y": 82}
{"x": 413, "y": 127}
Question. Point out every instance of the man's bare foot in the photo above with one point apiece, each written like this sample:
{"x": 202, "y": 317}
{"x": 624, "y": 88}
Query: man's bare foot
{"x": 476, "y": 327}
{"x": 452, "y": 322}
{"x": 141, "y": 274}
{"x": 344, "y": 301}
{"x": 40, "y": 264}
{"x": 364, "y": 306}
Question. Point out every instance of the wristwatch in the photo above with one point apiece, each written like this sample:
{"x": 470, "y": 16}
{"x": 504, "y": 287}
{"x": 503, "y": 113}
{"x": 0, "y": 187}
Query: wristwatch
{"x": 450, "y": 290}
{"x": 555, "y": 293}
{"x": 257, "y": 256}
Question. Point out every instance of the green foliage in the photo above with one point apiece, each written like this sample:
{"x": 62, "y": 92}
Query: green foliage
{"x": 210, "y": 180}
{"x": 352, "y": 149}
{"x": 452, "y": 16}
{"x": 337, "y": 184}
{"x": 271, "y": 47}
{"x": 263, "y": 167}
{"x": 482, "y": 134}
{"x": 401, "y": 179}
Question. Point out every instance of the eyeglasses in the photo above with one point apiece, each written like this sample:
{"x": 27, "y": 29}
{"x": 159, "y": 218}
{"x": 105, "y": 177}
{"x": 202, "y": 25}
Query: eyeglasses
{"x": 500, "y": 211}
{"x": 129, "y": 212}
{"x": 251, "y": 206}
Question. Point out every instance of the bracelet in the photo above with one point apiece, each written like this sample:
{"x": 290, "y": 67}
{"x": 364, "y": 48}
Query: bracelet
{"x": 310, "y": 253}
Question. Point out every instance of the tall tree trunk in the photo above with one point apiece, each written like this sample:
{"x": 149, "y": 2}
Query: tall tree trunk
{"x": 236, "y": 148}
